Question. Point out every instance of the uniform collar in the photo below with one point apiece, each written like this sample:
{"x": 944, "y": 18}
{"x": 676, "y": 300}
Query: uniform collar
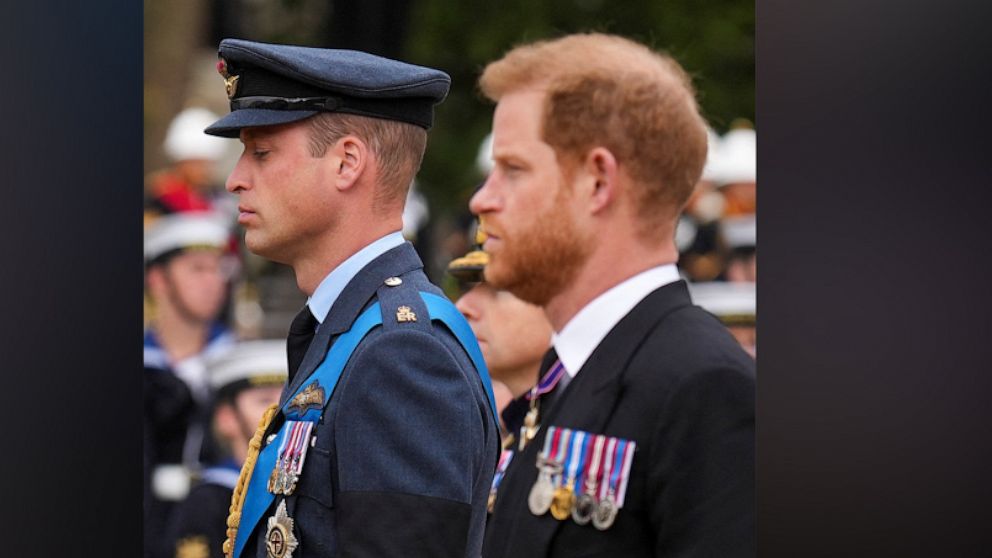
{"x": 330, "y": 288}
{"x": 583, "y": 333}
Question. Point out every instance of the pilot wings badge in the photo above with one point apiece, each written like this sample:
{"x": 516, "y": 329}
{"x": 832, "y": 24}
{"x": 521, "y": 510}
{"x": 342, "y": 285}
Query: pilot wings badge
{"x": 312, "y": 397}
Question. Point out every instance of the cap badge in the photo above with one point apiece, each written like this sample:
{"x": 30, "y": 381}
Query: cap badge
{"x": 312, "y": 397}
{"x": 230, "y": 82}
{"x": 405, "y": 314}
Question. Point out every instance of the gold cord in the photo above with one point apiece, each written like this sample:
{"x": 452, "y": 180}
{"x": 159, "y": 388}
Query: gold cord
{"x": 241, "y": 489}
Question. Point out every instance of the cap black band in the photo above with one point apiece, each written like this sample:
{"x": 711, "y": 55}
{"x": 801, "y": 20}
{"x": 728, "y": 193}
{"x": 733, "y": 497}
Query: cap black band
{"x": 413, "y": 110}
{"x": 328, "y": 104}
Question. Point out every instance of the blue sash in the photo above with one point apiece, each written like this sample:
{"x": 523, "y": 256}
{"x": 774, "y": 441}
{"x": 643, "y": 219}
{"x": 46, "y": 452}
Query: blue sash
{"x": 258, "y": 498}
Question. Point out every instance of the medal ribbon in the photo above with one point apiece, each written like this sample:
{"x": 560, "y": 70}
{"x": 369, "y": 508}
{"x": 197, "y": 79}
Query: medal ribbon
{"x": 554, "y": 434}
{"x": 584, "y": 458}
{"x": 301, "y": 442}
{"x": 504, "y": 462}
{"x": 561, "y": 446}
{"x": 562, "y": 454}
{"x": 549, "y": 381}
{"x": 628, "y": 458}
{"x": 575, "y": 456}
{"x": 608, "y": 453}
{"x": 591, "y": 476}
{"x": 617, "y": 465}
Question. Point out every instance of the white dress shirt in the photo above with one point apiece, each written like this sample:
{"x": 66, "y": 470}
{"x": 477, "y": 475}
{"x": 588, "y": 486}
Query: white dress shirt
{"x": 583, "y": 333}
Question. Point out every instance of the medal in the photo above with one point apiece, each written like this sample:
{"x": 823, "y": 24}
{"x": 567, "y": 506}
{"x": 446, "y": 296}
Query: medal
{"x": 280, "y": 542}
{"x": 561, "y": 503}
{"x": 606, "y": 509}
{"x": 585, "y": 505}
{"x": 292, "y": 455}
{"x": 585, "y": 502}
{"x": 547, "y": 383}
{"x": 529, "y": 430}
{"x": 605, "y": 513}
{"x": 542, "y": 493}
{"x": 564, "y": 496}
{"x": 601, "y": 511}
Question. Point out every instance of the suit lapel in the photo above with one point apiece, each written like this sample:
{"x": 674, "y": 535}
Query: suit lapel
{"x": 587, "y": 403}
{"x": 352, "y": 300}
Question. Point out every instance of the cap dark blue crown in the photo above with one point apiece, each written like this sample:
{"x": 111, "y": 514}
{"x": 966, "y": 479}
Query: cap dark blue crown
{"x": 272, "y": 84}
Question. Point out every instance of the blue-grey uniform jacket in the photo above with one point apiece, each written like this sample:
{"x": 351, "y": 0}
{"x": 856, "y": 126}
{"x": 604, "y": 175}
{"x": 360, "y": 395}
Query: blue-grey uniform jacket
{"x": 406, "y": 449}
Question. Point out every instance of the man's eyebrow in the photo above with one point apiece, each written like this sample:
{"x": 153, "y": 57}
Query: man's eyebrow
{"x": 250, "y": 134}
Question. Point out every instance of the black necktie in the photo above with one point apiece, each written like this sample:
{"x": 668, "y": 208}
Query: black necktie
{"x": 300, "y": 334}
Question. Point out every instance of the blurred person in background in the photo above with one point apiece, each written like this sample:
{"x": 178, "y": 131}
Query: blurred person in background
{"x": 697, "y": 234}
{"x": 245, "y": 381}
{"x": 598, "y": 143}
{"x": 186, "y": 287}
{"x": 387, "y": 396}
{"x": 513, "y": 334}
{"x": 740, "y": 237}
{"x": 188, "y": 184}
{"x": 734, "y": 304}
{"x": 736, "y": 174}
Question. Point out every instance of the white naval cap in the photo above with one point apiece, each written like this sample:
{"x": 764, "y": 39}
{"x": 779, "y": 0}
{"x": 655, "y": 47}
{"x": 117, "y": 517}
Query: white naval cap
{"x": 737, "y": 159}
{"x": 185, "y": 138}
{"x": 249, "y": 364}
{"x": 733, "y": 303}
{"x": 711, "y": 170}
{"x": 740, "y": 231}
{"x": 185, "y": 230}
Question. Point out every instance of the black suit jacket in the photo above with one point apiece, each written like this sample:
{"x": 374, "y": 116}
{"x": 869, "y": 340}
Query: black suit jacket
{"x": 670, "y": 377}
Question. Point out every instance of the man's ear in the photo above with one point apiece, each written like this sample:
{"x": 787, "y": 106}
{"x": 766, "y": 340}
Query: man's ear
{"x": 601, "y": 167}
{"x": 351, "y": 157}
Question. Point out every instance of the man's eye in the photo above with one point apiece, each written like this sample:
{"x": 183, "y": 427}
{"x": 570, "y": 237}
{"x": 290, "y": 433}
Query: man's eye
{"x": 259, "y": 153}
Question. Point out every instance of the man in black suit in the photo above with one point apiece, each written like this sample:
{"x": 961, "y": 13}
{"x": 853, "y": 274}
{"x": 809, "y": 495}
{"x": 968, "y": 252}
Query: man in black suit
{"x": 645, "y": 445}
{"x": 385, "y": 439}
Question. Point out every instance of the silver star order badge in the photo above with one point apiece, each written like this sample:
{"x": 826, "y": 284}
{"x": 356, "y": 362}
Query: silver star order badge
{"x": 280, "y": 542}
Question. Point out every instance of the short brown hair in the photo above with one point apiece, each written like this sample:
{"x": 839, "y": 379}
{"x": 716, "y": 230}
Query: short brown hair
{"x": 605, "y": 90}
{"x": 398, "y": 148}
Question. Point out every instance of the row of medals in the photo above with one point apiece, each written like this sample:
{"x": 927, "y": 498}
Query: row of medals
{"x": 279, "y": 538}
{"x": 549, "y": 493}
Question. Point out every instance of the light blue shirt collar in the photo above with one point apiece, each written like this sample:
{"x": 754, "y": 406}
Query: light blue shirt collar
{"x": 330, "y": 288}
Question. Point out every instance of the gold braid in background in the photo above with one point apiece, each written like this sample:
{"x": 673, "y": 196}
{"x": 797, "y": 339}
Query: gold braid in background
{"x": 241, "y": 489}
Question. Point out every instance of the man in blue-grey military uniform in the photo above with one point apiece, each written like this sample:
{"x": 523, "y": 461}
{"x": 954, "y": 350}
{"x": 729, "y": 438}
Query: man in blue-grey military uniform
{"x": 385, "y": 440}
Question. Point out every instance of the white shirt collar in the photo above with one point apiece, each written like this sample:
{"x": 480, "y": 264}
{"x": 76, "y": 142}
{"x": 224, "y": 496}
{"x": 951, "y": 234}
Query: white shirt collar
{"x": 330, "y": 288}
{"x": 583, "y": 333}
